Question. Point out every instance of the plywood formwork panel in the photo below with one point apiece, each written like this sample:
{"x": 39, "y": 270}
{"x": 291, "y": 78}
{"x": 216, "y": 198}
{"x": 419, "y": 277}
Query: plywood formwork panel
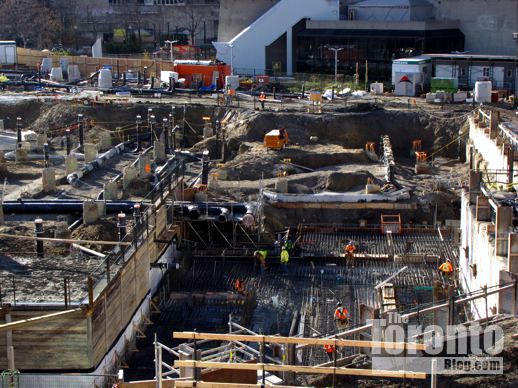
{"x": 55, "y": 344}
{"x": 129, "y": 290}
{"x": 113, "y": 310}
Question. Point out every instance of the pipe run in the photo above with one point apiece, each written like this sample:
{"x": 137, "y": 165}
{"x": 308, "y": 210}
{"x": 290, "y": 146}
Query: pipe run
{"x": 61, "y": 207}
{"x": 74, "y": 178}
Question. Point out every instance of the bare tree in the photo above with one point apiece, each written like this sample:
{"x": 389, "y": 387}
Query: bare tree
{"x": 193, "y": 21}
{"x": 30, "y": 21}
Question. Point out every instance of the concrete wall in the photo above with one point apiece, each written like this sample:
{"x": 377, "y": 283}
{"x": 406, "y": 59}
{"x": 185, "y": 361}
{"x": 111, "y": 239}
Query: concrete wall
{"x": 478, "y": 249}
{"x": 487, "y": 24}
{"x": 236, "y": 15}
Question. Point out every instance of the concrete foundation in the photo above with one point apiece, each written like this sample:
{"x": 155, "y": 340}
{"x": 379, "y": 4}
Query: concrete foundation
{"x": 90, "y": 212}
{"x": 40, "y": 142}
{"x": 281, "y": 185}
{"x": 159, "y": 152}
{"x": 129, "y": 175}
{"x": 48, "y": 180}
{"x": 144, "y": 166}
{"x": 105, "y": 141}
{"x": 71, "y": 164}
{"x": 110, "y": 191}
{"x": 90, "y": 152}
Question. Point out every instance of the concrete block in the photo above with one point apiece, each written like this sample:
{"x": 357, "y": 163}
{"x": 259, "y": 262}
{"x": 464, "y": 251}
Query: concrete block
{"x": 159, "y": 152}
{"x": 3, "y": 163}
{"x": 144, "y": 166}
{"x": 41, "y": 139}
{"x": 90, "y": 212}
{"x": 105, "y": 141}
{"x": 61, "y": 230}
{"x": 129, "y": 175}
{"x": 110, "y": 191}
{"x": 281, "y": 185}
{"x": 422, "y": 168}
{"x": 513, "y": 252}
{"x": 48, "y": 180}
{"x": 101, "y": 209}
{"x": 71, "y": 164}
{"x": 90, "y": 152}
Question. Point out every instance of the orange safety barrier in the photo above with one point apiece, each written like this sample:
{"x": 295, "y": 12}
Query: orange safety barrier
{"x": 421, "y": 156}
{"x": 416, "y": 145}
{"x": 370, "y": 147}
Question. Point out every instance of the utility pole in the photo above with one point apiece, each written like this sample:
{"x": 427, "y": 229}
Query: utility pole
{"x": 336, "y": 49}
{"x": 170, "y": 43}
{"x": 231, "y": 58}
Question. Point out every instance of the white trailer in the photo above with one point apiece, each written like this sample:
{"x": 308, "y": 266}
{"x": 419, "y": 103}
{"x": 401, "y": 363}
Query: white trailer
{"x": 421, "y": 65}
{"x": 8, "y": 52}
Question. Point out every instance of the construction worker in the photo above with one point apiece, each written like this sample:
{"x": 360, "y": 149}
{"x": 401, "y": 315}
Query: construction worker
{"x": 341, "y": 316}
{"x": 260, "y": 259}
{"x": 262, "y": 99}
{"x": 446, "y": 268}
{"x": 239, "y": 286}
{"x": 330, "y": 350}
{"x": 285, "y": 258}
{"x": 350, "y": 249}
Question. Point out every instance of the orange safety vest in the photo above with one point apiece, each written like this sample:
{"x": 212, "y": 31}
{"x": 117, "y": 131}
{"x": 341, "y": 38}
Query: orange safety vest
{"x": 231, "y": 92}
{"x": 446, "y": 267}
{"x": 341, "y": 315}
{"x": 329, "y": 348}
{"x": 262, "y": 97}
{"x": 350, "y": 248}
{"x": 238, "y": 285}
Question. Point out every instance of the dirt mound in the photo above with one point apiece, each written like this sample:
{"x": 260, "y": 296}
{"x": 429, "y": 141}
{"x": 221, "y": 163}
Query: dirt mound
{"x": 350, "y": 129}
{"x": 342, "y": 182}
{"x": 101, "y": 231}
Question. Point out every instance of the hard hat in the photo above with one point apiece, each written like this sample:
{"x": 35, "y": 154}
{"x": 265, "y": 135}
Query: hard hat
{"x": 339, "y": 304}
{"x": 448, "y": 260}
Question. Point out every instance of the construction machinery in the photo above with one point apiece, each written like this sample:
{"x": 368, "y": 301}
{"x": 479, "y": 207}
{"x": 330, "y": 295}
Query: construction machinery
{"x": 276, "y": 139}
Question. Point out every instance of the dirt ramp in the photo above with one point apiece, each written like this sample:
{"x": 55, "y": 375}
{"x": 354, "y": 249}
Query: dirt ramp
{"x": 342, "y": 182}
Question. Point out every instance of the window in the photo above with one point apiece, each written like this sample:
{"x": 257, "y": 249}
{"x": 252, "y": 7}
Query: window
{"x": 485, "y": 71}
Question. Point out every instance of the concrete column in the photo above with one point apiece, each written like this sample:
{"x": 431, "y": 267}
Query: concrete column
{"x": 129, "y": 175}
{"x": 90, "y": 152}
{"x": 512, "y": 254}
{"x": 105, "y": 141}
{"x": 71, "y": 164}
{"x": 474, "y": 186}
{"x": 48, "y": 180}
{"x": 22, "y": 150}
{"x": 159, "y": 151}
{"x": 494, "y": 118}
{"x": 90, "y": 212}
{"x": 289, "y": 51}
{"x": 144, "y": 165}
{"x": 483, "y": 209}
{"x": 281, "y": 185}
{"x": 41, "y": 139}
{"x": 110, "y": 191}
{"x": 504, "y": 222}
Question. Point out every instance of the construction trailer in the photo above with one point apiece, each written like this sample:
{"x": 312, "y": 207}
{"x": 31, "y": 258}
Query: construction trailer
{"x": 199, "y": 74}
{"x": 411, "y": 75}
{"x": 8, "y": 53}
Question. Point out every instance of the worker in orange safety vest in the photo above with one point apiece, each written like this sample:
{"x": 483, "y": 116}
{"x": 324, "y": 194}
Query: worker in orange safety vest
{"x": 330, "y": 350}
{"x": 341, "y": 316}
{"x": 446, "y": 268}
{"x": 262, "y": 99}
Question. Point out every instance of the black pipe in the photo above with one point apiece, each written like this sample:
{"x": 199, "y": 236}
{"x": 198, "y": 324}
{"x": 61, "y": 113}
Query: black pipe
{"x": 68, "y": 142}
{"x": 38, "y": 230}
{"x": 61, "y": 207}
{"x": 18, "y": 129}
{"x": 81, "y": 132}
{"x": 121, "y": 225}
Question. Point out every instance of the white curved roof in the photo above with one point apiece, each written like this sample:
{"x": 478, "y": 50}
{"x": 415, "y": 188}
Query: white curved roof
{"x": 392, "y": 3}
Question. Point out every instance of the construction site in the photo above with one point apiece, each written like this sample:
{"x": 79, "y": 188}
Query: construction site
{"x": 143, "y": 240}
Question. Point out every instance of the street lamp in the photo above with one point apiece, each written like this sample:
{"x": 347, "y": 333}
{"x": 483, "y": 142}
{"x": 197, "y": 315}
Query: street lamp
{"x": 231, "y": 58}
{"x": 170, "y": 43}
{"x": 335, "y": 49}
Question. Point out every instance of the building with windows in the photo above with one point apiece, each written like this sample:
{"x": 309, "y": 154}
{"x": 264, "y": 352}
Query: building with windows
{"x": 377, "y": 31}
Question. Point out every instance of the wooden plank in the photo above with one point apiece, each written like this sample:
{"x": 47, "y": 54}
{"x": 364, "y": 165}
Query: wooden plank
{"x": 302, "y": 369}
{"x": 204, "y": 384}
{"x": 99, "y": 330}
{"x": 128, "y": 287}
{"x": 16, "y": 325}
{"x": 351, "y": 205}
{"x": 62, "y": 240}
{"x": 297, "y": 340}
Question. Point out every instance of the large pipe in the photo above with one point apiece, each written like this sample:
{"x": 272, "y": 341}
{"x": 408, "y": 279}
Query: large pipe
{"x": 76, "y": 176}
{"x": 193, "y": 212}
{"x": 223, "y": 215}
{"x": 61, "y": 207}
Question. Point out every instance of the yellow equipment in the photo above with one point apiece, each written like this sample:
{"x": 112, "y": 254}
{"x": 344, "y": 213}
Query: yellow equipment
{"x": 276, "y": 139}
